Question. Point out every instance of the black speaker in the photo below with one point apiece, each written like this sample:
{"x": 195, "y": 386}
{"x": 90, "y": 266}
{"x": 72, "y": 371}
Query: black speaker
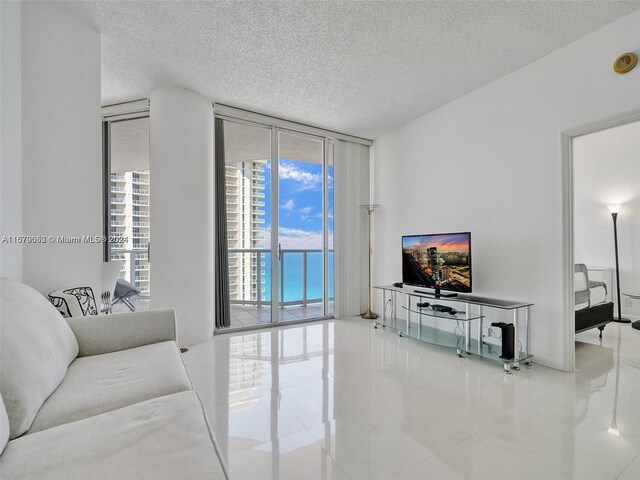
{"x": 508, "y": 333}
{"x": 398, "y": 284}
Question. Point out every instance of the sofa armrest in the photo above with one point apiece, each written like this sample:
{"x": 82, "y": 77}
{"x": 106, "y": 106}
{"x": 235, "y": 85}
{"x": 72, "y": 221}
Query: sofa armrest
{"x": 100, "y": 334}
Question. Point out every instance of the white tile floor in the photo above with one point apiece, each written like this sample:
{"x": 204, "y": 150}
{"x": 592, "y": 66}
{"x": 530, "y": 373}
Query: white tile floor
{"x": 339, "y": 400}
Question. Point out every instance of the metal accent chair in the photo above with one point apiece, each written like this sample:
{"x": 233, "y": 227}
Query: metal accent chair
{"x": 124, "y": 292}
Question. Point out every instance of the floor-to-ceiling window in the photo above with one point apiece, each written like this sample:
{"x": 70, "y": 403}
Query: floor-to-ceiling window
{"x": 127, "y": 193}
{"x": 279, "y": 195}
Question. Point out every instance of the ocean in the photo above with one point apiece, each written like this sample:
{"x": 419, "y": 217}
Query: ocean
{"x": 293, "y": 282}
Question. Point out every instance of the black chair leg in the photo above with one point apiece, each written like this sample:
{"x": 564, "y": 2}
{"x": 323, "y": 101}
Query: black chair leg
{"x": 601, "y": 329}
{"x": 128, "y": 303}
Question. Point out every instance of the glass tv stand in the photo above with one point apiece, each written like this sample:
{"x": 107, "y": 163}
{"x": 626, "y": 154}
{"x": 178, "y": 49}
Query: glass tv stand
{"x": 422, "y": 323}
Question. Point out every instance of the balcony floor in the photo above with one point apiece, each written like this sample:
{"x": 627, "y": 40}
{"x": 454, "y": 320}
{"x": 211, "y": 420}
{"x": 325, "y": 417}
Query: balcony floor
{"x": 250, "y": 315}
{"x": 245, "y": 315}
{"x": 141, "y": 304}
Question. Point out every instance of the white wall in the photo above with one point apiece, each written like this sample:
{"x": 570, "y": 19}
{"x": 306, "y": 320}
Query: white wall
{"x": 181, "y": 169}
{"x": 61, "y": 146}
{"x": 10, "y": 140}
{"x": 490, "y": 162}
{"x": 606, "y": 168}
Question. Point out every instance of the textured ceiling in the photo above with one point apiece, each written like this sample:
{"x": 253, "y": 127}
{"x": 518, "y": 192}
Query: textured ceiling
{"x": 357, "y": 67}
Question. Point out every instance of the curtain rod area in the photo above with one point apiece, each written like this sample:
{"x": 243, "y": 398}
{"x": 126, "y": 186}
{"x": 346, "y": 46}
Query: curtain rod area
{"x": 221, "y": 110}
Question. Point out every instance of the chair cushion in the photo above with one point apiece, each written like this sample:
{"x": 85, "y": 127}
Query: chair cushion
{"x": 161, "y": 438}
{"x": 74, "y": 302}
{"x": 101, "y": 383}
{"x": 36, "y": 347}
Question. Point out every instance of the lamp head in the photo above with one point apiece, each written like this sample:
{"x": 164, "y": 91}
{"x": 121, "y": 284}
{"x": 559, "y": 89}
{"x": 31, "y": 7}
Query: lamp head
{"x": 614, "y": 209}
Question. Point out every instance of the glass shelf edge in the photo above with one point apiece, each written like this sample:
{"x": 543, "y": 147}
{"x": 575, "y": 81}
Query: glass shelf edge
{"x": 444, "y": 315}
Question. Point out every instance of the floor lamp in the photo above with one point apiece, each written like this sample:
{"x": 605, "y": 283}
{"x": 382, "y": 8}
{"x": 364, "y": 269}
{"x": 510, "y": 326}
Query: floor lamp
{"x": 614, "y": 209}
{"x": 369, "y": 209}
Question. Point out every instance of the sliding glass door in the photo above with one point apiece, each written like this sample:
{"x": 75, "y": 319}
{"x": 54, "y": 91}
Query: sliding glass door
{"x": 248, "y": 196}
{"x": 279, "y": 196}
{"x": 302, "y": 223}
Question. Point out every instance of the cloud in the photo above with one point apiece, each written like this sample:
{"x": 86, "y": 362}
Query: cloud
{"x": 304, "y": 212}
{"x": 306, "y": 180}
{"x": 288, "y": 205}
{"x": 298, "y": 239}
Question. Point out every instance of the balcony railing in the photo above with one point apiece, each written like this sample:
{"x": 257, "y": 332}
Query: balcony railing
{"x": 142, "y": 181}
{"x": 137, "y": 201}
{"x": 138, "y": 224}
{"x": 258, "y": 276}
{"x": 139, "y": 191}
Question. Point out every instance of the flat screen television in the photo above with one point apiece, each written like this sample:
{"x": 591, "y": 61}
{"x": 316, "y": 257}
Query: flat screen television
{"x": 439, "y": 261}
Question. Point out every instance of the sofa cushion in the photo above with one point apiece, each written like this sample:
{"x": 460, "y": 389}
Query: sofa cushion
{"x": 161, "y": 438}
{"x": 36, "y": 347}
{"x": 4, "y": 426}
{"x": 101, "y": 383}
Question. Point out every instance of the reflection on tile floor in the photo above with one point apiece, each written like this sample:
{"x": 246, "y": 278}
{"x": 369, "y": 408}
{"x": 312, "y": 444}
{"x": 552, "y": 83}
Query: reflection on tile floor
{"x": 337, "y": 399}
{"x": 250, "y": 315}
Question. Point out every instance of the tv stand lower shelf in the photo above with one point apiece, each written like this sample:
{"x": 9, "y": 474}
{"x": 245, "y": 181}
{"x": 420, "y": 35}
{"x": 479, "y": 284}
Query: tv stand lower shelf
{"x": 457, "y": 332}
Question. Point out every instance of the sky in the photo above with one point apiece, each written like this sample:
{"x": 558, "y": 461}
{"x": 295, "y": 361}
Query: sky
{"x": 451, "y": 242}
{"x": 300, "y": 204}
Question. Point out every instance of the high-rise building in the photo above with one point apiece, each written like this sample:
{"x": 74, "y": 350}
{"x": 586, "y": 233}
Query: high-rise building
{"x": 130, "y": 220}
{"x": 245, "y": 185}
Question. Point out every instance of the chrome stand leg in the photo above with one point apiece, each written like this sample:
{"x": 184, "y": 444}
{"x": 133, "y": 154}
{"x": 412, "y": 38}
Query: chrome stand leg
{"x": 408, "y": 313}
{"x": 480, "y": 325}
{"x": 516, "y": 337}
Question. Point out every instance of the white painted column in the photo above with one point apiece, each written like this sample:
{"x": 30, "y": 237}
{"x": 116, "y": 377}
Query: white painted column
{"x": 61, "y": 148}
{"x": 181, "y": 205}
{"x": 10, "y": 139}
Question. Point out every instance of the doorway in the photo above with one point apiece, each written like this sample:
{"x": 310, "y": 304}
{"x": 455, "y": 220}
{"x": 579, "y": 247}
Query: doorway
{"x": 601, "y": 169}
{"x": 279, "y": 195}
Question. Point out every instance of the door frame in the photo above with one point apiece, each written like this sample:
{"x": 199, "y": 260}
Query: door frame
{"x": 256, "y": 120}
{"x": 567, "y": 137}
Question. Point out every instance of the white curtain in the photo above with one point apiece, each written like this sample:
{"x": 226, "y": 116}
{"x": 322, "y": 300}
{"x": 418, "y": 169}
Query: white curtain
{"x": 351, "y": 189}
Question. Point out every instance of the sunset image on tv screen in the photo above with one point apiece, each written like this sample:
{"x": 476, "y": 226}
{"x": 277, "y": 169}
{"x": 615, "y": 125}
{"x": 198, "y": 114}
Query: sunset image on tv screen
{"x": 442, "y": 261}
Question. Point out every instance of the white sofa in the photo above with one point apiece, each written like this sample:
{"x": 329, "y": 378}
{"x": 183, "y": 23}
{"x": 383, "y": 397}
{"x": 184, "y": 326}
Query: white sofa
{"x": 102, "y": 397}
